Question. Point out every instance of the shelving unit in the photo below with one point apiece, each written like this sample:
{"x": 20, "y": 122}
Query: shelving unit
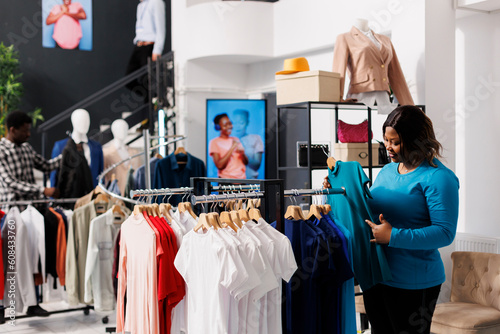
{"x": 293, "y": 124}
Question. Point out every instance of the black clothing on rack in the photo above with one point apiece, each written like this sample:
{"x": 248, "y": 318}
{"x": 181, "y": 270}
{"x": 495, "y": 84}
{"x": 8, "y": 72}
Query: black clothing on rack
{"x": 75, "y": 177}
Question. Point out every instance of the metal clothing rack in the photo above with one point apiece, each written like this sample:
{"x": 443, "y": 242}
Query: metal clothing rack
{"x": 147, "y": 150}
{"x": 85, "y": 309}
{"x": 273, "y": 190}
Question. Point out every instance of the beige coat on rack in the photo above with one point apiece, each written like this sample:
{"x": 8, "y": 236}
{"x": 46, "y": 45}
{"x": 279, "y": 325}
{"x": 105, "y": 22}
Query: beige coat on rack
{"x": 370, "y": 68}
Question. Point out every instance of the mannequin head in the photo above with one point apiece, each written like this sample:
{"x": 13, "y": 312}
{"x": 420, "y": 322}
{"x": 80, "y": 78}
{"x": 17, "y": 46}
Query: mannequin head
{"x": 361, "y": 24}
{"x": 80, "y": 119}
{"x": 119, "y": 128}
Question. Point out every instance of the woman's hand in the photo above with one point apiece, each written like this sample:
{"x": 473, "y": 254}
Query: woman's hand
{"x": 326, "y": 183}
{"x": 381, "y": 232}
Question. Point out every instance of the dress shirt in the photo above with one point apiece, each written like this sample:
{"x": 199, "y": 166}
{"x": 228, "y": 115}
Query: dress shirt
{"x": 150, "y": 24}
{"x": 17, "y": 180}
{"x": 169, "y": 174}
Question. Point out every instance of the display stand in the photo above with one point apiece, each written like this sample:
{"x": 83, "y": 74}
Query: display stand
{"x": 293, "y": 124}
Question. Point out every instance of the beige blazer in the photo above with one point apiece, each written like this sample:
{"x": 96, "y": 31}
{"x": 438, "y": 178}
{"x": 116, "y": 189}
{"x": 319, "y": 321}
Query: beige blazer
{"x": 370, "y": 69}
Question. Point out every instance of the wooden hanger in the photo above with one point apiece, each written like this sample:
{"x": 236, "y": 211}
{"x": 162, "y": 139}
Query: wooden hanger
{"x": 202, "y": 222}
{"x": 158, "y": 156}
{"x": 101, "y": 202}
{"x": 314, "y": 211}
{"x": 180, "y": 150}
{"x": 243, "y": 215}
{"x": 118, "y": 214}
{"x": 294, "y": 212}
{"x": 331, "y": 163}
{"x": 187, "y": 207}
{"x": 254, "y": 214}
{"x": 213, "y": 219}
{"x": 327, "y": 208}
{"x": 225, "y": 219}
{"x": 235, "y": 217}
{"x": 138, "y": 209}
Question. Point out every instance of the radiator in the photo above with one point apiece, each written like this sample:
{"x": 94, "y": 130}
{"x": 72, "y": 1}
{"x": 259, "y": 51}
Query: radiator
{"x": 475, "y": 243}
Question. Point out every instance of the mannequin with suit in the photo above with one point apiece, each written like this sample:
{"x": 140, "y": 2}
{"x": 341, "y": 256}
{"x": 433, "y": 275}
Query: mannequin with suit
{"x": 91, "y": 149}
{"x": 373, "y": 68}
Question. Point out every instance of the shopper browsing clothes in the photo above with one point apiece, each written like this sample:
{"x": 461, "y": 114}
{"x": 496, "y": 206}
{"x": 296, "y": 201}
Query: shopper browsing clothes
{"x": 227, "y": 152}
{"x": 18, "y": 159}
{"x": 415, "y": 199}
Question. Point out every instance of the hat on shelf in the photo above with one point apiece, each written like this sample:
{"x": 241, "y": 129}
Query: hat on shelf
{"x": 294, "y": 65}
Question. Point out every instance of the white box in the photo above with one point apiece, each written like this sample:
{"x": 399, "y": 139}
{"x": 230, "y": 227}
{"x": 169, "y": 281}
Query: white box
{"x": 356, "y": 152}
{"x": 315, "y": 86}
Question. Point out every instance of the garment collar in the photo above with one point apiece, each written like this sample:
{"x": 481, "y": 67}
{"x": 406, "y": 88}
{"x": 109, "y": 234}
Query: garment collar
{"x": 175, "y": 165}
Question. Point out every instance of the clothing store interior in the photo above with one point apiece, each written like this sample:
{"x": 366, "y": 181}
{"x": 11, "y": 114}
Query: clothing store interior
{"x": 162, "y": 161}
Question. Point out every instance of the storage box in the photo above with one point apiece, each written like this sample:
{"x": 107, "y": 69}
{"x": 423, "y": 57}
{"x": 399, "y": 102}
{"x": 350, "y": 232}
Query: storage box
{"x": 356, "y": 152}
{"x": 316, "y": 86}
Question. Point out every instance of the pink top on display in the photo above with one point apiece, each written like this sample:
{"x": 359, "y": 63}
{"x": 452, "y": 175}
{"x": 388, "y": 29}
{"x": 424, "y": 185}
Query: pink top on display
{"x": 235, "y": 168}
{"x": 67, "y": 30}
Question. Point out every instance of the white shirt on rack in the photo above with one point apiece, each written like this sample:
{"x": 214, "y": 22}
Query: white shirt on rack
{"x": 208, "y": 268}
{"x": 15, "y": 236}
{"x": 35, "y": 224}
{"x": 285, "y": 267}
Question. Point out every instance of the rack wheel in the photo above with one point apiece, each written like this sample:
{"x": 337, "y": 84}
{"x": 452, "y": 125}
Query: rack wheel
{"x": 86, "y": 311}
{"x": 105, "y": 320}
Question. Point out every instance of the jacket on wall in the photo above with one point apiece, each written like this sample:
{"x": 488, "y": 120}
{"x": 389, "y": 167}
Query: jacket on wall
{"x": 370, "y": 68}
{"x": 96, "y": 159}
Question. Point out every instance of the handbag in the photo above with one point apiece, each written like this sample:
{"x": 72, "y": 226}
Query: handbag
{"x": 353, "y": 133}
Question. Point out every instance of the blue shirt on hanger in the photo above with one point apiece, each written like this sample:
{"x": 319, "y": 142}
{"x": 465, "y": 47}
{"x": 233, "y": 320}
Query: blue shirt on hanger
{"x": 170, "y": 174}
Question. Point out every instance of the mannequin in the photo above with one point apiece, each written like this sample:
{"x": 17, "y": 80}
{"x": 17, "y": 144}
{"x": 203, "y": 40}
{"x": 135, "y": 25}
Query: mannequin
{"x": 119, "y": 128}
{"x": 361, "y": 24}
{"x": 116, "y": 151}
{"x": 80, "y": 120}
{"x": 373, "y": 68}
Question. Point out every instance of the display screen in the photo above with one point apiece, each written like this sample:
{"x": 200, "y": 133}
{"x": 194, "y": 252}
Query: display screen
{"x": 67, "y": 24}
{"x": 236, "y": 139}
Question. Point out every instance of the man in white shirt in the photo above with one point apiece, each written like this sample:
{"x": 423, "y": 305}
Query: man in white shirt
{"x": 150, "y": 32}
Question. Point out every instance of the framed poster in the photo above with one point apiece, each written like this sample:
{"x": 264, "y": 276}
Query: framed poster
{"x": 236, "y": 137}
{"x": 67, "y": 24}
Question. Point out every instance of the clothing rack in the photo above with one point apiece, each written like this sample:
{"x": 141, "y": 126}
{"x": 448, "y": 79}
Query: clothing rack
{"x": 146, "y": 164}
{"x": 40, "y": 201}
{"x": 87, "y": 308}
{"x": 273, "y": 189}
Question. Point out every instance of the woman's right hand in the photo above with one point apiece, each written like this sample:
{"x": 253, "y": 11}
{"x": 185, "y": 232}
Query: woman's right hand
{"x": 326, "y": 183}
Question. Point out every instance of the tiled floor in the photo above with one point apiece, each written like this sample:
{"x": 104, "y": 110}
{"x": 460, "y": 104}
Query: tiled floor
{"x": 75, "y": 322}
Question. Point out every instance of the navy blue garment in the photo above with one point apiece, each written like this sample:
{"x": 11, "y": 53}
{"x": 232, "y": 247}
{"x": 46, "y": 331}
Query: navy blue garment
{"x": 330, "y": 283}
{"x": 301, "y": 294}
{"x": 140, "y": 174}
{"x": 170, "y": 174}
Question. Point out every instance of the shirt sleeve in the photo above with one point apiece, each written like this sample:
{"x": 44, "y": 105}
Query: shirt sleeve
{"x": 44, "y": 165}
{"x": 92, "y": 252}
{"x": 259, "y": 145}
{"x": 213, "y": 147}
{"x": 20, "y": 187}
{"x": 181, "y": 259}
{"x": 159, "y": 25}
{"x": 441, "y": 194}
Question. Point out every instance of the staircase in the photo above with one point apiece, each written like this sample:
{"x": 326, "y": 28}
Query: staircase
{"x": 122, "y": 103}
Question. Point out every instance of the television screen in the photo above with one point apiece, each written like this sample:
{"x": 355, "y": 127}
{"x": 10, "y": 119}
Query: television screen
{"x": 236, "y": 139}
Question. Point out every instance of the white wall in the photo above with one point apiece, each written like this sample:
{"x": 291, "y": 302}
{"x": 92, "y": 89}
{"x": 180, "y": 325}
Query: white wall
{"x": 211, "y": 60}
{"x": 478, "y": 122}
